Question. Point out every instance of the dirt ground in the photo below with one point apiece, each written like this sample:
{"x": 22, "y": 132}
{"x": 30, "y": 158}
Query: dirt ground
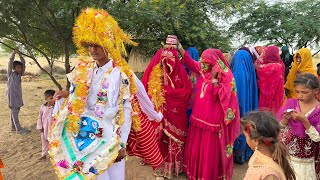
{"x": 19, "y": 153}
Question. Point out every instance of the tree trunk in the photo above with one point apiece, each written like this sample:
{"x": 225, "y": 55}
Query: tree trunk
{"x": 67, "y": 61}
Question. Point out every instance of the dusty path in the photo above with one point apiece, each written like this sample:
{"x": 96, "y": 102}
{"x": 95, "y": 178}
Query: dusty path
{"x": 20, "y": 153}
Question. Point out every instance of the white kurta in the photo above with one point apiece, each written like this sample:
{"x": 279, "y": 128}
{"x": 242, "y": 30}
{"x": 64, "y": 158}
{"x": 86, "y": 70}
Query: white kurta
{"x": 117, "y": 170}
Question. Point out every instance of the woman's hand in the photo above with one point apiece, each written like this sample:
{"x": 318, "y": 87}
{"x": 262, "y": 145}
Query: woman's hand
{"x": 298, "y": 116}
{"x": 180, "y": 48}
{"x": 214, "y": 73}
{"x": 287, "y": 115}
{"x": 215, "y": 81}
{"x": 60, "y": 94}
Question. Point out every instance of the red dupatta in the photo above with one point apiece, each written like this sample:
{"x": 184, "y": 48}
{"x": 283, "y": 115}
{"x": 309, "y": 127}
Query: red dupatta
{"x": 270, "y": 71}
{"x": 168, "y": 79}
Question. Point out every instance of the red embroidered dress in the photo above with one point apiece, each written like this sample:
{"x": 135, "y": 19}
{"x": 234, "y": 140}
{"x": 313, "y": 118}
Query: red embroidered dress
{"x": 176, "y": 87}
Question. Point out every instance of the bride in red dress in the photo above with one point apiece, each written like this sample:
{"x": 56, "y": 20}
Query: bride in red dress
{"x": 169, "y": 88}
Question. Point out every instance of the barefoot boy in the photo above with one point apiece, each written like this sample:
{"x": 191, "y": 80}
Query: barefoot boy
{"x": 14, "y": 92}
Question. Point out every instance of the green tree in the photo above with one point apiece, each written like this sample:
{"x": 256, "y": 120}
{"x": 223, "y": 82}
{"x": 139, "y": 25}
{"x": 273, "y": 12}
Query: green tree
{"x": 293, "y": 24}
{"x": 152, "y": 20}
{"x": 40, "y": 28}
{"x": 44, "y": 28}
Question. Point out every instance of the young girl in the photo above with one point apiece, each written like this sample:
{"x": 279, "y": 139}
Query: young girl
{"x": 44, "y": 121}
{"x": 300, "y": 119}
{"x": 269, "y": 161}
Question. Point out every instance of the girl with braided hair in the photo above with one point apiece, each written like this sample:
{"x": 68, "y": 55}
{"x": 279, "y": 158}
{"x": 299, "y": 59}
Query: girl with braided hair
{"x": 269, "y": 161}
{"x": 300, "y": 120}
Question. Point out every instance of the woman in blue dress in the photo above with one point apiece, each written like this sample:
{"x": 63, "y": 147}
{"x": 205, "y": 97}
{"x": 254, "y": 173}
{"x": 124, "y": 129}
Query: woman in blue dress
{"x": 247, "y": 90}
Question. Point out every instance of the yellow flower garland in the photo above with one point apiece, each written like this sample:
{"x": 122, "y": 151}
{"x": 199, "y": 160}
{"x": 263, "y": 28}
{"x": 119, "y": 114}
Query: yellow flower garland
{"x": 136, "y": 110}
{"x": 78, "y": 103}
{"x": 155, "y": 87}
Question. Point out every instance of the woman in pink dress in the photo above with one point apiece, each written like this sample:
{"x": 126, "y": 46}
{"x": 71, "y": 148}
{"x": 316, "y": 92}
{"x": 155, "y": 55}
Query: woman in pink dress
{"x": 214, "y": 123}
{"x": 270, "y": 72}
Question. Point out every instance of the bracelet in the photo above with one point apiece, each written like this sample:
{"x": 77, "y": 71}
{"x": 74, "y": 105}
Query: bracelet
{"x": 122, "y": 146}
{"x": 282, "y": 124}
{"x": 214, "y": 81}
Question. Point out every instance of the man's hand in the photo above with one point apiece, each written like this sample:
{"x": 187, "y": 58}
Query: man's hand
{"x": 60, "y": 94}
{"x": 121, "y": 155}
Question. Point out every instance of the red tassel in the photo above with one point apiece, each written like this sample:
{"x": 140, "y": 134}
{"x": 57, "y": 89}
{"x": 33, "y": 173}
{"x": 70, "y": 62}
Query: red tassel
{"x": 248, "y": 128}
{"x": 268, "y": 143}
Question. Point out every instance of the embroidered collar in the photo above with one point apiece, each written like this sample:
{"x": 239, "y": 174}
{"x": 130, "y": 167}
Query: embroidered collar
{"x": 104, "y": 67}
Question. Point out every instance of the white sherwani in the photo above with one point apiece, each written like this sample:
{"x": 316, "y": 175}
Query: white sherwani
{"x": 117, "y": 170}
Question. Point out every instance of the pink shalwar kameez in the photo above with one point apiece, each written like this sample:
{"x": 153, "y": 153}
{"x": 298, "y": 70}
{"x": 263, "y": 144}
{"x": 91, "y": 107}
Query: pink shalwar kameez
{"x": 44, "y": 122}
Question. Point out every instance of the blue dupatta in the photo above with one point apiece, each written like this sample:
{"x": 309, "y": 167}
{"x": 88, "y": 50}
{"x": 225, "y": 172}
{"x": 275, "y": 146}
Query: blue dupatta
{"x": 247, "y": 90}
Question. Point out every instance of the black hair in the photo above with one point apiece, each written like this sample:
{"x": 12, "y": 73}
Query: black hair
{"x": 49, "y": 93}
{"x": 306, "y": 79}
{"x": 264, "y": 127}
{"x": 318, "y": 65}
{"x": 16, "y": 63}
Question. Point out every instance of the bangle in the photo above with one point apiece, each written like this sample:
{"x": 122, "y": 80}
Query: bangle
{"x": 283, "y": 125}
{"x": 122, "y": 146}
{"x": 214, "y": 81}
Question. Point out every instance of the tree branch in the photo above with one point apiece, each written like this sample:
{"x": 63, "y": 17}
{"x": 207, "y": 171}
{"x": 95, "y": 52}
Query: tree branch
{"x": 48, "y": 20}
{"x": 316, "y": 53}
{"x": 277, "y": 40}
{"x": 15, "y": 49}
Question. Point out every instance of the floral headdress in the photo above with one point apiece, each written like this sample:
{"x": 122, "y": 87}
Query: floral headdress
{"x": 96, "y": 26}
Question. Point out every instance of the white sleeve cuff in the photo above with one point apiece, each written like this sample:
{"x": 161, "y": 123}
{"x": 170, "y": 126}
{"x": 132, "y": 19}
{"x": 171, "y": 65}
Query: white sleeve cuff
{"x": 160, "y": 116}
{"x": 313, "y": 134}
